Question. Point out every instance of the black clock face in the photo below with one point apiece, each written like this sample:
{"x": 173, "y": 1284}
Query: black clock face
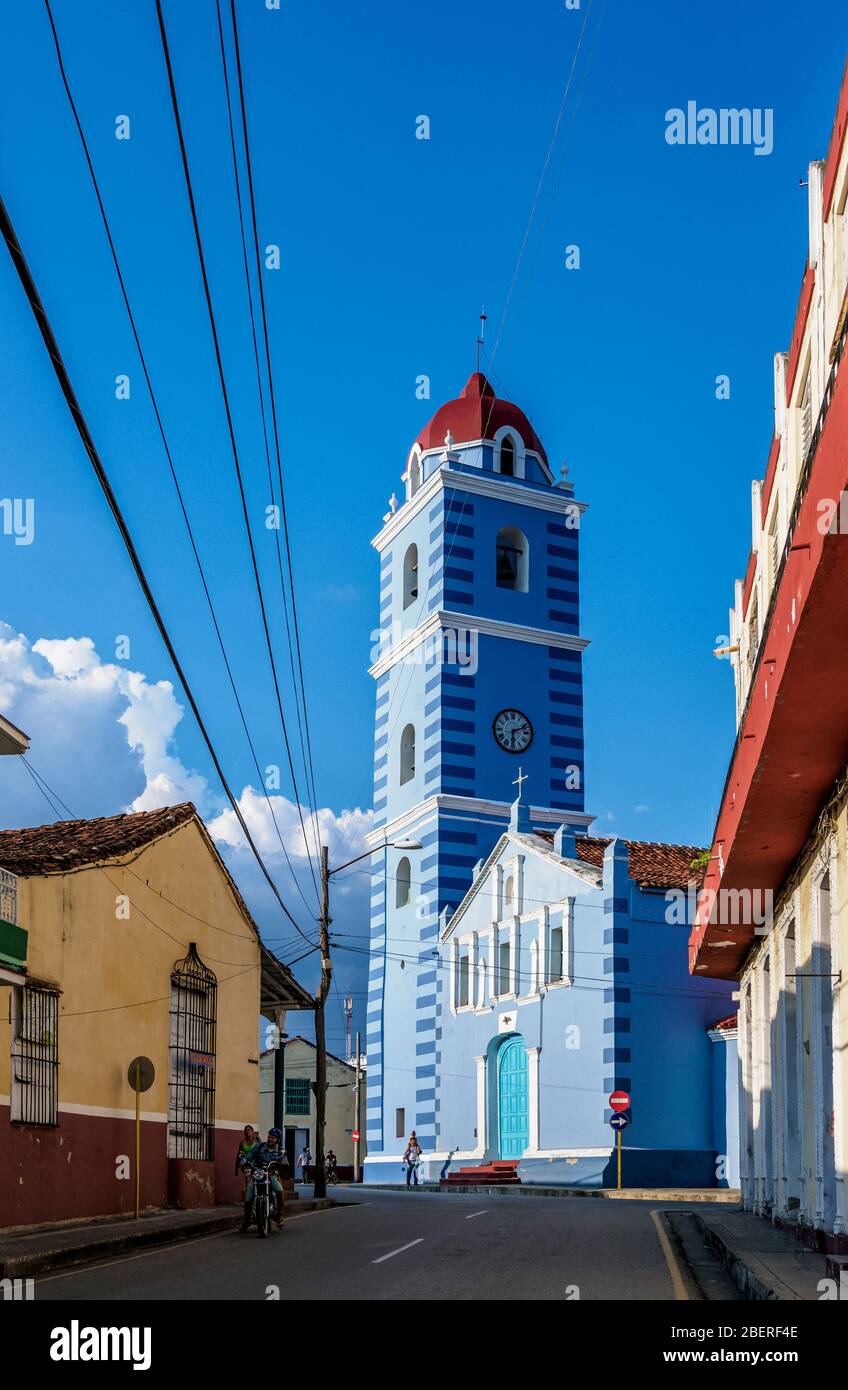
{"x": 513, "y": 731}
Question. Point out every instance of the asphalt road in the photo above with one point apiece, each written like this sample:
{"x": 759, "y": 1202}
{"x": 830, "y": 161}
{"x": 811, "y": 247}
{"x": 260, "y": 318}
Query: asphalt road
{"x": 392, "y": 1245}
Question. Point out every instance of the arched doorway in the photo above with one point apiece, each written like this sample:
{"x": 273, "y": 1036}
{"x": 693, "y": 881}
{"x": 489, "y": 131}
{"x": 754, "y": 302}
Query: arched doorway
{"x": 513, "y": 1107}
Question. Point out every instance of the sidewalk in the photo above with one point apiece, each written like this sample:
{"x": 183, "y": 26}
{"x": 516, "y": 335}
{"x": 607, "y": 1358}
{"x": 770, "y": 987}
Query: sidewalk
{"x": 25, "y": 1253}
{"x": 722, "y": 1195}
{"x": 764, "y": 1261}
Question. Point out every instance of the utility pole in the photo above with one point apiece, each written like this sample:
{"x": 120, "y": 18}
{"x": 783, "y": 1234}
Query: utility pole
{"x": 321, "y": 999}
{"x": 320, "y": 1037}
{"x": 357, "y": 1106}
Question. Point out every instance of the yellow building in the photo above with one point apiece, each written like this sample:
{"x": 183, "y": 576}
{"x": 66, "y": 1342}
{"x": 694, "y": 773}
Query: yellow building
{"x": 126, "y": 937}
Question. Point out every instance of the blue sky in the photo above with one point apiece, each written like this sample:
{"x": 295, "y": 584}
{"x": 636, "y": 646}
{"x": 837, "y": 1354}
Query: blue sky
{"x": 691, "y": 260}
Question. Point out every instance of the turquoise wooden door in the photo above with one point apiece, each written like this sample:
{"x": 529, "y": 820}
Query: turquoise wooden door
{"x": 512, "y": 1098}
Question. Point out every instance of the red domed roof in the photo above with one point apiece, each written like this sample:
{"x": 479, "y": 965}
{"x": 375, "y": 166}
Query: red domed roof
{"x": 478, "y": 414}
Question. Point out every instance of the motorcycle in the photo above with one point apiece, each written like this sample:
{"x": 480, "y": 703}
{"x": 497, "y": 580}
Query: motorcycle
{"x": 263, "y": 1197}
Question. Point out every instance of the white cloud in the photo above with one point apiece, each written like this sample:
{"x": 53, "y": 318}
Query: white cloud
{"x": 105, "y": 738}
{"x": 344, "y": 834}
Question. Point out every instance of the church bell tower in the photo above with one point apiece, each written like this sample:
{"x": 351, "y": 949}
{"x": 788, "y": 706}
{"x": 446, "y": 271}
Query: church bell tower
{"x": 478, "y": 677}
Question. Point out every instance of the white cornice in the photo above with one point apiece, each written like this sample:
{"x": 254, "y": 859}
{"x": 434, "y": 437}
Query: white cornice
{"x": 722, "y": 1034}
{"x": 486, "y": 485}
{"x": 445, "y": 618}
{"x": 589, "y": 877}
{"x": 492, "y": 444}
{"x": 425, "y": 810}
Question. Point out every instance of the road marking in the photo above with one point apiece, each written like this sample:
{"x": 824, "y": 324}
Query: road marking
{"x": 399, "y": 1251}
{"x": 681, "y": 1293}
{"x": 476, "y": 1213}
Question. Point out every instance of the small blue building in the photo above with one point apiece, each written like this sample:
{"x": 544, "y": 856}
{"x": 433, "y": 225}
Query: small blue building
{"x": 520, "y": 970}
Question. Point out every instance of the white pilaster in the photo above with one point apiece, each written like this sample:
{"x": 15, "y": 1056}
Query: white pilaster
{"x": 533, "y": 1098}
{"x": 482, "y": 1137}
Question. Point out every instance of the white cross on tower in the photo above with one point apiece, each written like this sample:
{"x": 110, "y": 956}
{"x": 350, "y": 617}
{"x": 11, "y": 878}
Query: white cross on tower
{"x": 522, "y": 777}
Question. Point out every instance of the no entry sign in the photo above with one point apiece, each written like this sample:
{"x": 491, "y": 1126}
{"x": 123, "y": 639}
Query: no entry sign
{"x": 619, "y": 1100}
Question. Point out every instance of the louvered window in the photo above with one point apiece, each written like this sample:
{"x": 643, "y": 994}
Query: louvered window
{"x": 753, "y": 634}
{"x": 806, "y": 419}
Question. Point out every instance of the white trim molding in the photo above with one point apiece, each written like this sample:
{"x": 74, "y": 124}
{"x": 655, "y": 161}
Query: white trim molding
{"x": 445, "y": 619}
{"x": 424, "y": 811}
{"x": 486, "y": 484}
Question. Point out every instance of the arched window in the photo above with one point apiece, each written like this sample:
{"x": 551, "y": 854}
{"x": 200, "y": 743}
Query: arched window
{"x": 513, "y": 560}
{"x": 403, "y": 883}
{"x": 509, "y": 896}
{"x": 507, "y": 458}
{"x": 407, "y": 754}
{"x": 410, "y": 576}
{"x": 414, "y": 474}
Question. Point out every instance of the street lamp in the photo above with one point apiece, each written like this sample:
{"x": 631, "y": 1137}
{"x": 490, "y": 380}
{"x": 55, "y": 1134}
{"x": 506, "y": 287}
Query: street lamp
{"x": 321, "y": 996}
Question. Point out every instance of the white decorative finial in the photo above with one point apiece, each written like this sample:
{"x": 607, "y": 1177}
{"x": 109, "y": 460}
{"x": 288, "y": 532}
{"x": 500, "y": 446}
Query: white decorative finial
{"x": 521, "y": 778}
{"x": 564, "y": 471}
{"x": 449, "y": 454}
{"x": 393, "y": 504}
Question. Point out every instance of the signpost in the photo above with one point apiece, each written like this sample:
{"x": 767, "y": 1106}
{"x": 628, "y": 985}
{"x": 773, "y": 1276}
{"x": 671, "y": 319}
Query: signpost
{"x": 619, "y": 1101}
{"x": 141, "y": 1074}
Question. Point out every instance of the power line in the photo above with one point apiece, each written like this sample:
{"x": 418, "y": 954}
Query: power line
{"x": 61, "y": 372}
{"x": 45, "y": 789}
{"x": 164, "y": 439}
{"x": 505, "y": 312}
{"x": 230, "y": 426}
{"x": 55, "y": 801}
{"x": 271, "y": 393}
{"x": 653, "y": 987}
{"x": 302, "y": 724}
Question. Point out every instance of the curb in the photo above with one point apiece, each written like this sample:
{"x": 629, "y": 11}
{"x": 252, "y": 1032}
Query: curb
{"x": 26, "y": 1265}
{"x": 754, "y": 1280}
{"x": 720, "y": 1195}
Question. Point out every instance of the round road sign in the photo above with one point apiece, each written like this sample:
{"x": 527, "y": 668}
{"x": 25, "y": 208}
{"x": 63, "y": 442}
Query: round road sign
{"x": 619, "y": 1100}
{"x": 141, "y": 1074}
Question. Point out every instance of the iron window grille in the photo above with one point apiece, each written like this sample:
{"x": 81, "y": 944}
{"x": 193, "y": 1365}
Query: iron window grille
{"x": 35, "y": 1056}
{"x": 298, "y": 1095}
{"x": 8, "y": 898}
{"x": 191, "y": 1059}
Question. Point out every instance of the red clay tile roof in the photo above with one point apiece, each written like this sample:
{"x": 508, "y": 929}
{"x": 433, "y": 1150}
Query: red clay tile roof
{"x": 652, "y": 865}
{"x": 72, "y": 844}
{"x": 724, "y": 1025}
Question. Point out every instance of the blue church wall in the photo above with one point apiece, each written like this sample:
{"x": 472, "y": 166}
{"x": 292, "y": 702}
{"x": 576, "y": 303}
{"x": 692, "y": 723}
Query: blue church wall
{"x": 590, "y": 1034}
{"x": 726, "y": 1092}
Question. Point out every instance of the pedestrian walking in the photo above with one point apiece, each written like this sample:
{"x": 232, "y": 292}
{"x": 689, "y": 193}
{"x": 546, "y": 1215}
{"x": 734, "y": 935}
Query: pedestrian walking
{"x": 304, "y": 1163}
{"x": 412, "y": 1158}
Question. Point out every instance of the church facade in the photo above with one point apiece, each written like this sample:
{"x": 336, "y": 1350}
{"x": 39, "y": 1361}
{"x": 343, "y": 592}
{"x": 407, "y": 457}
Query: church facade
{"x": 520, "y": 970}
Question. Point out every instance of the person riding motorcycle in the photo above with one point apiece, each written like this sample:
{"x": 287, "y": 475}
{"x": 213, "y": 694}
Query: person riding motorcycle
{"x": 269, "y": 1154}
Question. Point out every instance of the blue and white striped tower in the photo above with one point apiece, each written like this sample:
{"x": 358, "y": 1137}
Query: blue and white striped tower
{"x": 478, "y": 672}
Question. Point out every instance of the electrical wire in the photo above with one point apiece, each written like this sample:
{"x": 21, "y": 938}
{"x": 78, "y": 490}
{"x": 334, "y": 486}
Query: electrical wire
{"x": 230, "y": 425}
{"x": 61, "y": 372}
{"x": 165, "y": 444}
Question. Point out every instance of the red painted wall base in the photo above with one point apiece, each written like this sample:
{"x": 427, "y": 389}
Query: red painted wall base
{"x": 85, "y": 1167}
